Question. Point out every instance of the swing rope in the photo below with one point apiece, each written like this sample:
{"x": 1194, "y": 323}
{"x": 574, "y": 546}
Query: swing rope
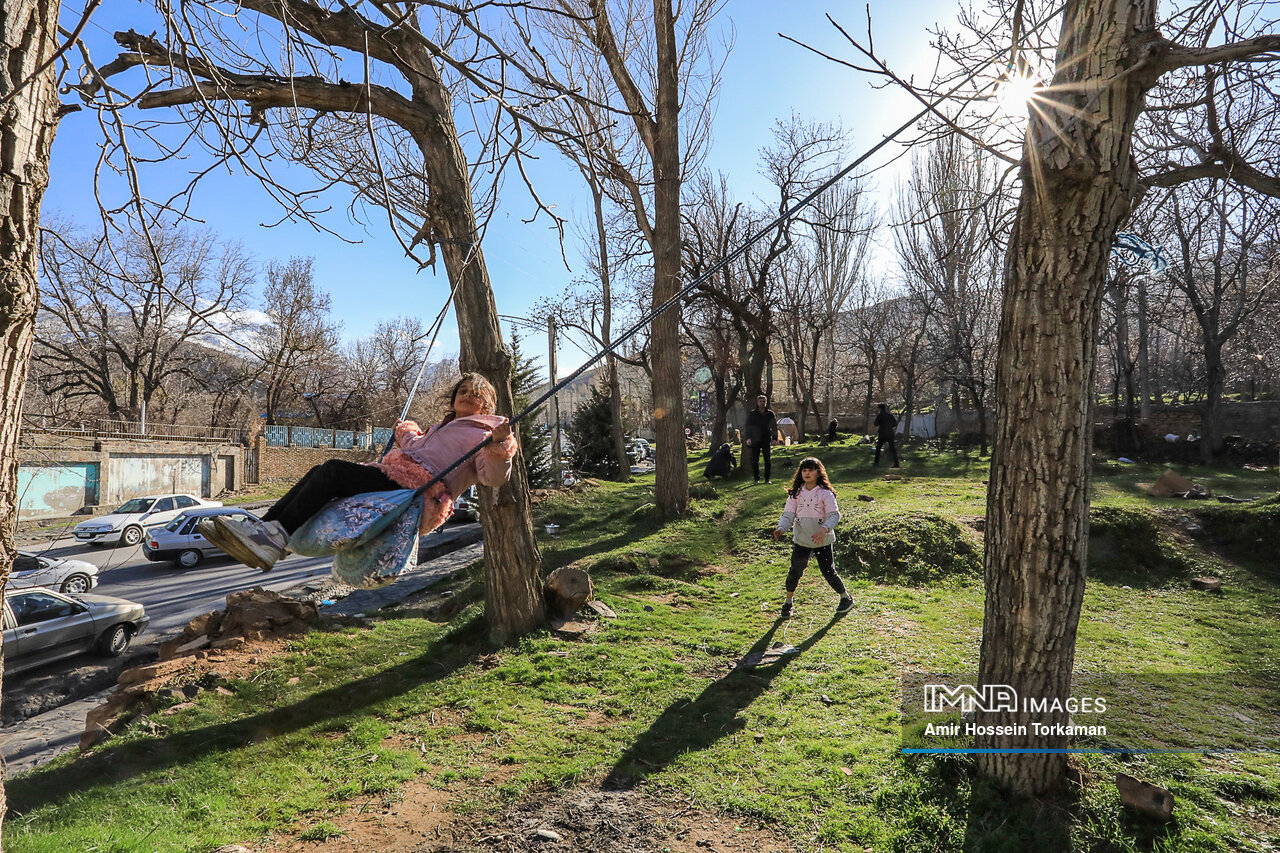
{"x": 742, "y": 248}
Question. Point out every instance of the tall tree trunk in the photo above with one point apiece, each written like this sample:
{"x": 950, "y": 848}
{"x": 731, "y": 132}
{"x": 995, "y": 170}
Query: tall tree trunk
{"x": 606, "y": 334}
{"x": 512, "y": 563}
{"x": 719, "y": 421}
{"x": 1211, "y": 443}
{"x": 28, "y": 121}
{"x": 615, "y": 418}
{"x": 1078, "y": 184}
{"x": 1144, "y": 367}
{"x": 671, "y": 491}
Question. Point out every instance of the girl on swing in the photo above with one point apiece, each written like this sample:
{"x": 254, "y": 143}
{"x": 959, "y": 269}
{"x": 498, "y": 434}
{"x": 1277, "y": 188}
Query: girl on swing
{"x": 413, "y": 462}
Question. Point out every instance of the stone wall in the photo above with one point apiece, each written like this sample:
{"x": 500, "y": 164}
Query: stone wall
{"x": 1256, "y": 421}
{"x": 288, "y": 464}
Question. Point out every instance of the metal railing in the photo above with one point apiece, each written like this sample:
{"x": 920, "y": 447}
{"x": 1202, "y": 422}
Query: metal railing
{"x": 100, "y": 428}
{"x": 279, "y": 435}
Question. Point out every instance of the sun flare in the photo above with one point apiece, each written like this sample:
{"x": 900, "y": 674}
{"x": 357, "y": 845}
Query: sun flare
{"x": 1015, "y": 91}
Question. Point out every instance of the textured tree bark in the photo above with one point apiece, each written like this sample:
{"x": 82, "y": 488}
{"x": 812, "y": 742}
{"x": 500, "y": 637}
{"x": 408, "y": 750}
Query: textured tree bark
{"x": 28, "y": 121}
{"x": 671, "y": 492}
{"x": 513, "y": 593}
{"x": 1078, "y": 184}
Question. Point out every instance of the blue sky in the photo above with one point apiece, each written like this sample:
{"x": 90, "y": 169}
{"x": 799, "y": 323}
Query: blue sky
{"x": 765, "y": 78}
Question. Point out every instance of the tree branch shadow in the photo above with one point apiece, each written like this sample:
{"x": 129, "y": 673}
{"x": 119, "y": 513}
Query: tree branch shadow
{"x": 120, "y": 761}
{"x": 691, "y": 725}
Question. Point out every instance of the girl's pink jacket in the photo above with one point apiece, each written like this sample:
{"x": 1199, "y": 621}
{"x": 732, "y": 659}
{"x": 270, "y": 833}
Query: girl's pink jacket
{"x": 419, "y": 456}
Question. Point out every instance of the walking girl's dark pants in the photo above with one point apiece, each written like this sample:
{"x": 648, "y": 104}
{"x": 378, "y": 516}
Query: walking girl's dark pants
{"x": 826, "y": 563}
{"x": 336, "y": 478}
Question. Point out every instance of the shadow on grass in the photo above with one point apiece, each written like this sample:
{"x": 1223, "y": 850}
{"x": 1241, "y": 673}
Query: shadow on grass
{"x": 117, "y": 762}
{"x": 693, "y": 725}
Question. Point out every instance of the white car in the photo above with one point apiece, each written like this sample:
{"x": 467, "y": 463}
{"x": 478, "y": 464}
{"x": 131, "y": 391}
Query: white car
{"x": 69, "y": 576}
{"x": 128, "y": 523}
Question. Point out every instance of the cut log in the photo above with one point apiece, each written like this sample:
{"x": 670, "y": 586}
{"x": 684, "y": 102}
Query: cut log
{"x": 1144, "y": 798}
{"x": 566, "y": 590}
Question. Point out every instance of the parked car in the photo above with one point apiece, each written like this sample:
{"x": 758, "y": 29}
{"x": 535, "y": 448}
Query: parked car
{"x": 129, "y": 523}
{"x": 467, "y": 506}
{"x": 179, "y": 540}
{"x": 69, "y": 576}
{"x": 41, "y": 626}
{"x": 640, "y": 450}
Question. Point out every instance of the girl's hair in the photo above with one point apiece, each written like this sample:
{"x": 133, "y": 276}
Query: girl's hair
{"x": 479, "y": 384}
{"x": 797, "y": 482}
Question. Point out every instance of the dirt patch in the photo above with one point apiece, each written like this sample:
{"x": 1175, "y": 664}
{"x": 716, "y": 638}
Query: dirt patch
{"x": 581, "y": 819}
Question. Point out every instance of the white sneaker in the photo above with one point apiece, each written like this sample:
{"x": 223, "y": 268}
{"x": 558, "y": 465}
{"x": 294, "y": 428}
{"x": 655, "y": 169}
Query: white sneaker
{"x": 259, "y": 544}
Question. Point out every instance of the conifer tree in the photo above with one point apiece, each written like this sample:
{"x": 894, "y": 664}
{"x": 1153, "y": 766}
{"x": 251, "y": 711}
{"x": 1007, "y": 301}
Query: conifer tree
{"x": 534, "y": 440}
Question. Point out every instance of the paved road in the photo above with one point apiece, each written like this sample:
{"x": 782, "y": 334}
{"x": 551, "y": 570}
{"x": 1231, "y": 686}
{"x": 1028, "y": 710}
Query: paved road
{"x": 174, "y": 596}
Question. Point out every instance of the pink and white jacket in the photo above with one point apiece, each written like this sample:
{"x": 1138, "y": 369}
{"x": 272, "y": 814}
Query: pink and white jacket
{"x": 418, "y": 456}
{"x": 812, "y": 504}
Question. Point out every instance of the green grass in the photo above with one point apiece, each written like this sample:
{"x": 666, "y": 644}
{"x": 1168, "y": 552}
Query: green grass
{"x": 810, "y": 744}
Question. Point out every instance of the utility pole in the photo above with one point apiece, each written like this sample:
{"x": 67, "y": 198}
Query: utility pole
{"x": 553, "y": 415}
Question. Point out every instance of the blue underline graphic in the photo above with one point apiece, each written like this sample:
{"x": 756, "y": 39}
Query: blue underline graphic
{"x": 942, "y": 751}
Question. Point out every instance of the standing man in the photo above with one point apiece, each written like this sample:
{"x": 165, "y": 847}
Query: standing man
{"x": 760, "y": 431}
{"x": 885, "y": 423}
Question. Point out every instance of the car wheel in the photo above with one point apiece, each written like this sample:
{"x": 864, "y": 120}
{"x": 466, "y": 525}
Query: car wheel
{"x": 190, "y": 558}
{"x": 76, "y": 583}
{"x": 132, "y": 535}
{"x": 115, "y": 641}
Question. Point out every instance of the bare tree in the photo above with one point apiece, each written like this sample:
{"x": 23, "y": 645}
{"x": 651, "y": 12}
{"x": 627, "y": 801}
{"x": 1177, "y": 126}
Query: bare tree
{"x": 709, "y": 330}
{"x": 119, "y": 320}
{"x": 1226, "y": 266}
{"x": 392, "y": 138}
{"x": 864, "y": 330}
{"x": 743, "y": 291}
{"x": 661, "y": 86}
{"x": 948, "y": 248}
{"x": 841, "y": 225}
{"x": 299, "y": 335}
{"x": 1079, "y": 180}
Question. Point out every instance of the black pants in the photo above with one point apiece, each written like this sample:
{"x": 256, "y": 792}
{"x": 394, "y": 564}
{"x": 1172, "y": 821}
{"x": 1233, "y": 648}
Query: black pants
{"x": 336, "y": 478}
{"x": 893, "y": 448}
{"x": 826, "y": 564}
{"x": 758, "y": 447}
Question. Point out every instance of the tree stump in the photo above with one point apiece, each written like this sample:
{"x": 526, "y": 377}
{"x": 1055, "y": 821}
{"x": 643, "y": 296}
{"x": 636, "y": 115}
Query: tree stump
{"x": 566, "y": 590}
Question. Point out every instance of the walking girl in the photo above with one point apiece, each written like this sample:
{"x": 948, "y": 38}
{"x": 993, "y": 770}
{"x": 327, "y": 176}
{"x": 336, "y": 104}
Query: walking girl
{"x": 811, "y": 508}
{"x": 412, "y": 464}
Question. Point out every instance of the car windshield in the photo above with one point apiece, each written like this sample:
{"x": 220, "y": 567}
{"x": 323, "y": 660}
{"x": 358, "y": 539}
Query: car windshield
{"x": 137, "y": 505}
{"x": 177, "y": 522}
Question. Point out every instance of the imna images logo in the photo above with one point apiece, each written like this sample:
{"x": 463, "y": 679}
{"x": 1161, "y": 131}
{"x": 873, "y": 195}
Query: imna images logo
{"x": 988, "y": 698}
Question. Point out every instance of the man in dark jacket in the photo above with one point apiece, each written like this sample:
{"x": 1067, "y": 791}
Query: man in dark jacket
{"x": 722, "y": 463}
{"x": 885, "y": 423}
{"x": 758, "y": 435}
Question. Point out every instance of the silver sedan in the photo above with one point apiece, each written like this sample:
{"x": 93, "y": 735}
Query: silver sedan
{"x": 70, "y": 576}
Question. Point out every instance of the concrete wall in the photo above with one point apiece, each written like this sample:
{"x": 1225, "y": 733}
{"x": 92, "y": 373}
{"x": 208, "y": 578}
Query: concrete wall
{"x": 64, "y": 476}
{"x": 56, "y": 489}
